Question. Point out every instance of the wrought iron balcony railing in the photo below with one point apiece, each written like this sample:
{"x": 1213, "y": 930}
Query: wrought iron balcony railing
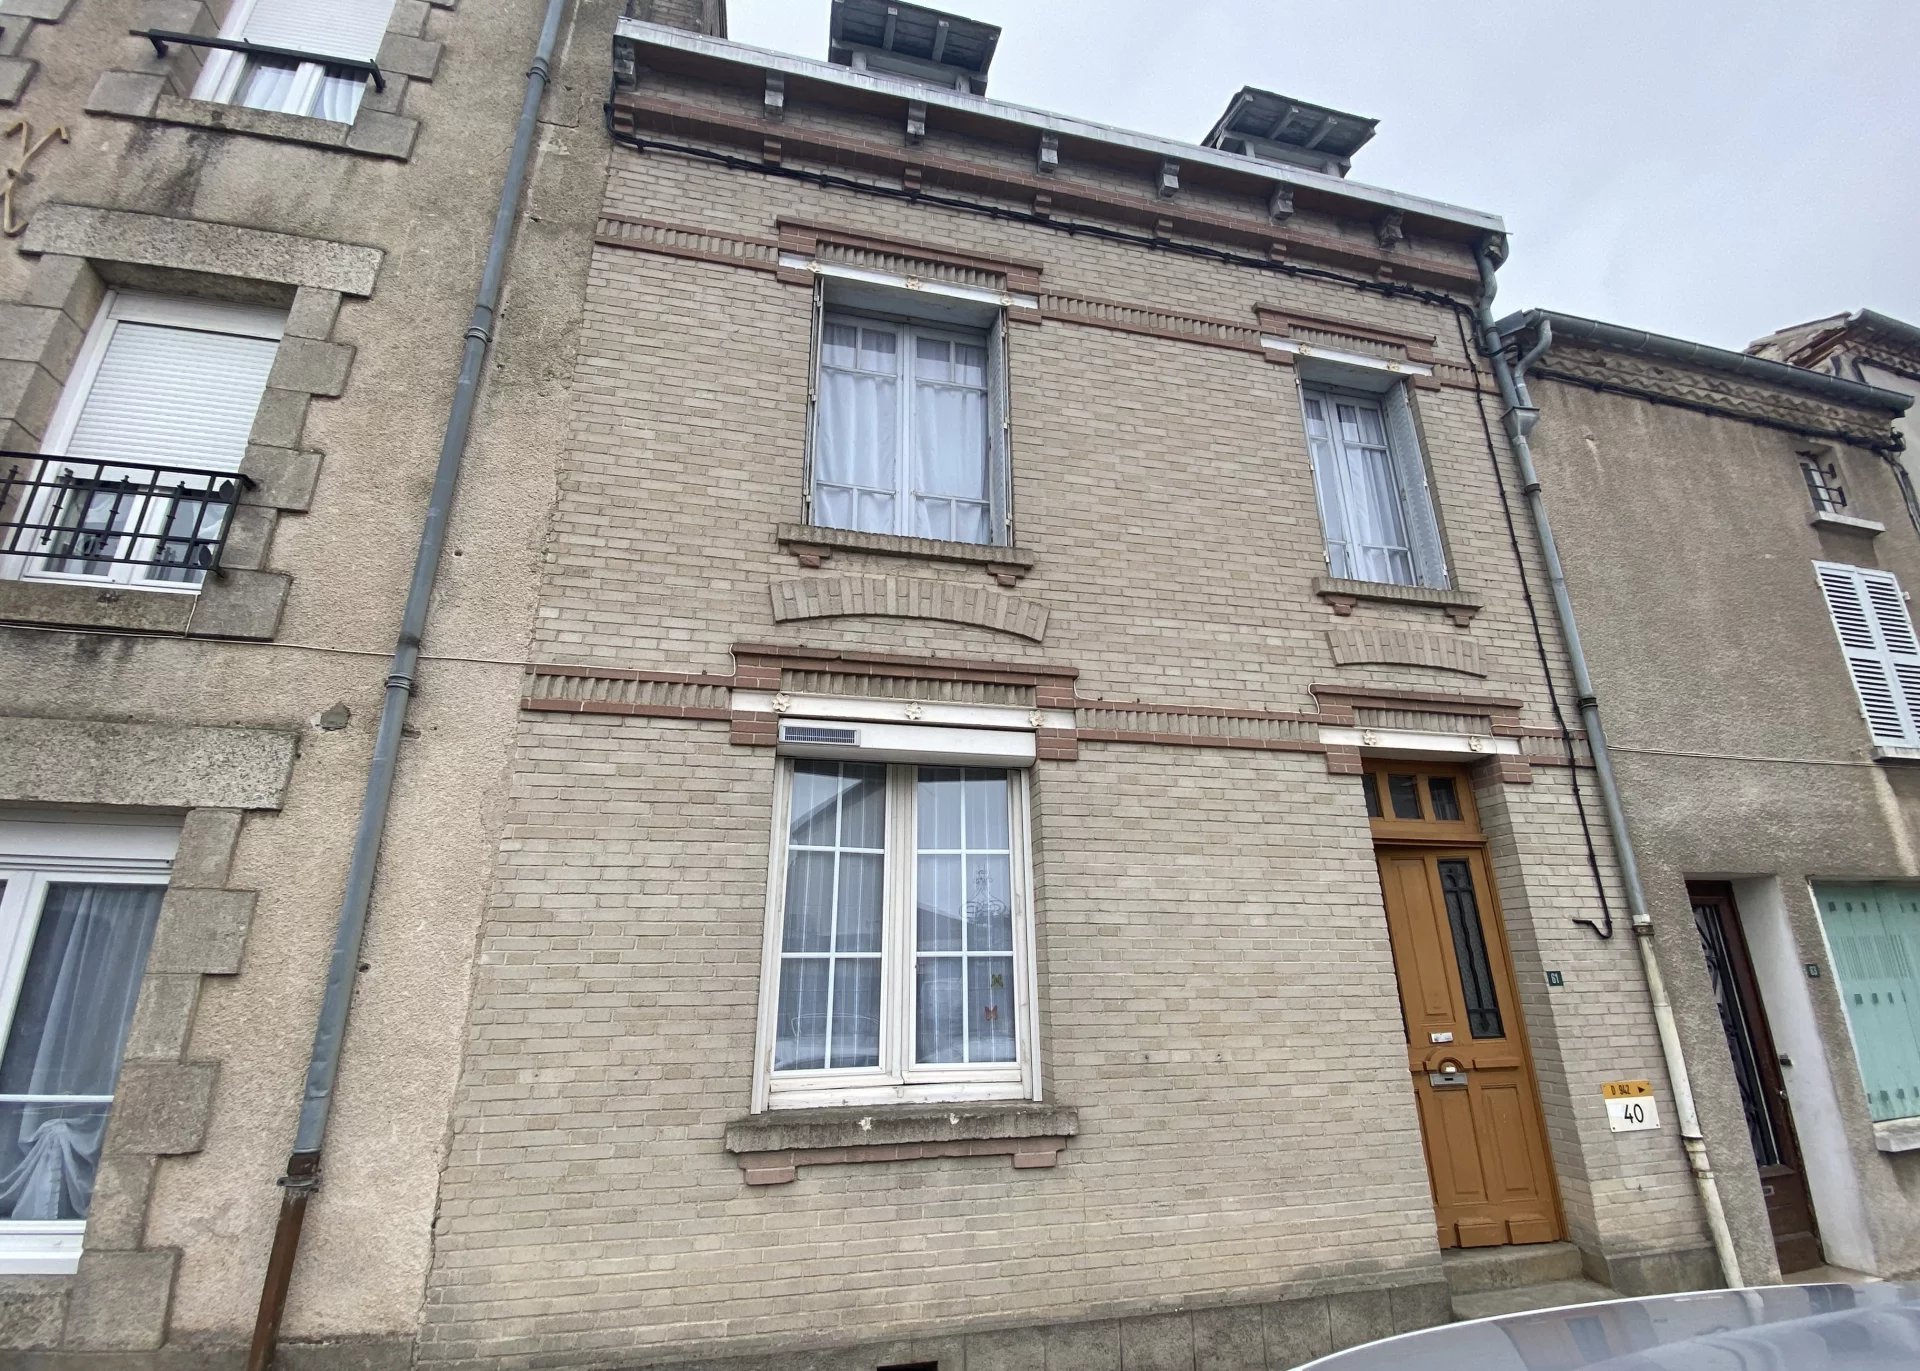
{"x": 81, "y": 517}
{"x": 161, "y": 37}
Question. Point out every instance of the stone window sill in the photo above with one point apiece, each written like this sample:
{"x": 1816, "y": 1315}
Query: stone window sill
{"x": 1897, "y": 1135}
{"x": 373, "y": 133}
{"x": 239, "y": 604}
{"x": 1459, "y": 605}
{"x": 772, "y": 1147}
{"x": 811, "y": 545}
{"x": 1897, "y": 755}
{"x": 1846, "y": 523}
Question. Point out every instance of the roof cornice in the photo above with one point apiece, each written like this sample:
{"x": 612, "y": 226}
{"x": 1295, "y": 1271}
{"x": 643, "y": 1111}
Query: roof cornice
{"x": 1367, "y": 199}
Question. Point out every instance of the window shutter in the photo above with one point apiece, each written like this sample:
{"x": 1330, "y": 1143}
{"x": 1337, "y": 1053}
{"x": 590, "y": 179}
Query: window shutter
{"x": 173, "y": 396}
{"x": 1883, "y": 656}
{"x": 1423, "y": 529}
{"x": 327, "y": 28}
{"x": 1874, "y": 932}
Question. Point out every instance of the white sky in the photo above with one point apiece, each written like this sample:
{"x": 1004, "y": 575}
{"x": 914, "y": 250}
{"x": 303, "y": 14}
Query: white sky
{"x": 1712, "y": 169}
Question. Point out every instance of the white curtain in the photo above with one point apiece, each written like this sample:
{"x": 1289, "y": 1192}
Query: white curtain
{"x": 964, "y": 919}
{"x": 69, "y": 1028}
{"x": 950, "y": 441}
{"x": 339, "y": 98}
{"x": 267, "y": 84}
{"x": 856, "y": 455}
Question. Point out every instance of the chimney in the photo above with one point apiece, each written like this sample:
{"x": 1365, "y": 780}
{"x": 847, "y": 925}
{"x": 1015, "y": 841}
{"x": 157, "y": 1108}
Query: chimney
{"x": 1274, "y": 128}
{"x": 913, "y": 42}
{"x": 697, "y": 16}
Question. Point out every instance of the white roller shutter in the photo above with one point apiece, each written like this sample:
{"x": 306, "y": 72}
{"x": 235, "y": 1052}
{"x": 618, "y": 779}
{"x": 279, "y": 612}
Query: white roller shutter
{"x": 177, "y": 383}
{"x": 1883, "y": 655}
{"x": 324, "y": 28}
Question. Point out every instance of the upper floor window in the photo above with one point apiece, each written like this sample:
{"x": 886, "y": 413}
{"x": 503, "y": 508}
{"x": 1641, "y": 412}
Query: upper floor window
{"x": 137, "y": 480}
{"x": 899, "y": 957}
{"x": 78, "y": 908}
{"x": 906, "y": 432}
{"x": 1823, "y": 483}
{"x": 1869, "y": 612}
{"x": 1375, "y": 507}
{"x": 304, "y": 83}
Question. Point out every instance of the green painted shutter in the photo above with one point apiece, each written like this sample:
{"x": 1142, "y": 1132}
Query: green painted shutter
{"x": 1874, "y": 931}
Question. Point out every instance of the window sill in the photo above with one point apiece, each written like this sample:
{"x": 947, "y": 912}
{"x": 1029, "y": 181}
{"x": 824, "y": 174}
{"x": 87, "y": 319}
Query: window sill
{"x": 138, "y": 96}
{"x": 240, "y": 604}
{"x": 1896, "y": 755}
{"x": 772, "y": 1147}
{"x": 1343, "y": 595}
{"x": 1897, "y": 1135}
{"x": 811, "y": 545}
{"x": 1846, "y": 523}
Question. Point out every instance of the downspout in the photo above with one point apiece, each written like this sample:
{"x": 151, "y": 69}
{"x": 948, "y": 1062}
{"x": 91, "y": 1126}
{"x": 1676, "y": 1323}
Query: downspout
{"x": 323, "y": 1066}
{"x": 1517, "y": 419}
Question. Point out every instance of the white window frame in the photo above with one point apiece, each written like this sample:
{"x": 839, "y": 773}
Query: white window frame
{"x": 1419, "y": 516}
{"x": 898, "y": 1079}
{"x": 224, "y": 71}
{"x": 908, "y": 328}
{"x": 34, "y": 854}
{"x": 116, "y": 308}
{"x": 1895, "y": 663}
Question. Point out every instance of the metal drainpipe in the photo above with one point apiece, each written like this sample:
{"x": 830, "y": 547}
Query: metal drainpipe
{"x": 323, "y": 1066}
{"x": 1517, "y": 419}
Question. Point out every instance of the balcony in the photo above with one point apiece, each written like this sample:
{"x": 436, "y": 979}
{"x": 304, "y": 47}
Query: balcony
{"x": 88, "y": 521}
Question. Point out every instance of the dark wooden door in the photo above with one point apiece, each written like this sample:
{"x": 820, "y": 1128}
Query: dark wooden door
{"x": 1756, "y": 1069}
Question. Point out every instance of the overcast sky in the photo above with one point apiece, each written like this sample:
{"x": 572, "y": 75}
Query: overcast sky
{"x": 1712, "y": 169}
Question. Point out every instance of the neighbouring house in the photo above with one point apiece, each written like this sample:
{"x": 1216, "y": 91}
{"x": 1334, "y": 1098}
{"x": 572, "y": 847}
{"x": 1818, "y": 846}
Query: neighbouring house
{"x": 242, "y": 244}
{"x": 1048, "y": 823}
{"x": 1741, "y": 548}
{"x": 1866, "y": 346}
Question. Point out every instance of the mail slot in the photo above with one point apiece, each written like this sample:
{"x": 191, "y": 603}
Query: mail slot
{"x": 1443, "y": 1078}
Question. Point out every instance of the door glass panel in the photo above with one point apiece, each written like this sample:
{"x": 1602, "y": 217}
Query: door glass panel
{"x": 1470, "y": 950}
{"x": 1370, "y": 785}
{"x": 1405, "y": 793}
{"x": 1733, "y": 1022}
{"x": 1444, "y": 799}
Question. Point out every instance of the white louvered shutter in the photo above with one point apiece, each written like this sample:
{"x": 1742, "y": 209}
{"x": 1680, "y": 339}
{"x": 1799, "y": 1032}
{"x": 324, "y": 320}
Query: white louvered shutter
{"x": 324, "y": 28}
{"x": 167, "y": 395}
{"x": 1883, "y": 655}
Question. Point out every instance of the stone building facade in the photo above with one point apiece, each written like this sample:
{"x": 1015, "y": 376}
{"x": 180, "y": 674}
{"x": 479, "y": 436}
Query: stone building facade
{"x": 1015, "y": 591}
{"x": 232, "y": 296}
{"x": 1740, "y": 539}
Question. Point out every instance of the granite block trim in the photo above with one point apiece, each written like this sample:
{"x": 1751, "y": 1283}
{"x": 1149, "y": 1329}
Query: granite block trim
{"x": 40, "y": 337}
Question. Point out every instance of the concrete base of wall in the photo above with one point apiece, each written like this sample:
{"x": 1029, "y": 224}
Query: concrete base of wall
{"x": 379, "y": 1354}
{"x": 1656, "y": 1273}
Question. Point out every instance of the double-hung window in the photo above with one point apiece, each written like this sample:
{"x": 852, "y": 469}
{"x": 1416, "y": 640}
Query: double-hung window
{"x": 899, "y": 952}
{"x": 136, "y": 481}
{"x": 906, "y": 433}
{"x": 1874, "y": 933}
{"x": 1375, "y": 506}
{"x": 308, "y": 83}
{"x": 1869, "y": 613}
{"x": 78, "y": 908}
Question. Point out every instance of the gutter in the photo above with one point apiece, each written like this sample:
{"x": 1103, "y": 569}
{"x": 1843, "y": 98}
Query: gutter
{"x": 1570, "y": 328}
{"x": 761, "y": 60}
{"x": 1517, "y": 418}
{"x": 302, "y": 1176}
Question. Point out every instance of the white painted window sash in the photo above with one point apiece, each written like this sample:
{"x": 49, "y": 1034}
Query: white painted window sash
{"x": 1340, "y": 495}
{"x": 39, "y": 1246}
{"x": 312, "y": 91}
{"x": 898, "y": 1078}
{"x": 1869, "y": 614}
{"x": 909, "y": 388}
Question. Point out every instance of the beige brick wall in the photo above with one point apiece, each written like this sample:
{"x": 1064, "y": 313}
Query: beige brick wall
{"x": 1217, "y": 994}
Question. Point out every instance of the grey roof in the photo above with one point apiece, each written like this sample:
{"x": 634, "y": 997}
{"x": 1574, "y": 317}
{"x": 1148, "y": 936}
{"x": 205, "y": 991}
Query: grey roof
{"x": 1262, "y": 116}
{"x": 1571, "y": 328}
{"x": 912, "y": 31}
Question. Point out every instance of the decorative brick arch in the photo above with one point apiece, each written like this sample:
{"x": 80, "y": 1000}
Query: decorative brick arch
{"x": 906, "y": 597}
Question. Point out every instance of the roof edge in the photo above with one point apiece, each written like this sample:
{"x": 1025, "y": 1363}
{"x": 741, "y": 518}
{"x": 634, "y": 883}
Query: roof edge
{"x": 1571, "y": 328}
{"x": 1042, "y": 121}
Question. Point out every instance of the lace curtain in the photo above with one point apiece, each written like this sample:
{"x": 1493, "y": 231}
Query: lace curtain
{"x": 63, "y": 1050}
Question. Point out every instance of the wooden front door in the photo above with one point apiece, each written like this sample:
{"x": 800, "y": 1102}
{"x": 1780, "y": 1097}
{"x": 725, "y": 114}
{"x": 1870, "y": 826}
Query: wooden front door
{"x": 1487, "y": 1160}
{"x": 1756, "y": 1070}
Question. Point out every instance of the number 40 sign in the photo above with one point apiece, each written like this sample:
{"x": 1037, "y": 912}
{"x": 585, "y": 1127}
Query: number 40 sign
{"x": 1630, "y": 1106}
